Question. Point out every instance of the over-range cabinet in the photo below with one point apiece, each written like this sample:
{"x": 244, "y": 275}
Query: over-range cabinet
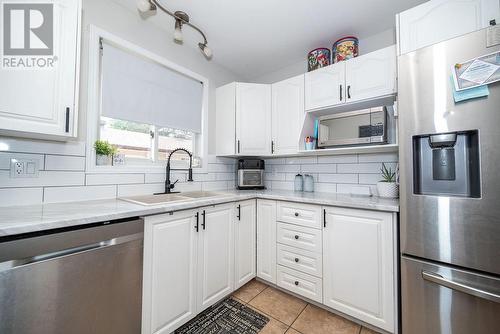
{"x": 450, "y": 193}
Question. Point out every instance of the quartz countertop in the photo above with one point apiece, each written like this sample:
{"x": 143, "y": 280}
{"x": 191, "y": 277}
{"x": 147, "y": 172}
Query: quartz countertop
{"x": 31, "y": 218}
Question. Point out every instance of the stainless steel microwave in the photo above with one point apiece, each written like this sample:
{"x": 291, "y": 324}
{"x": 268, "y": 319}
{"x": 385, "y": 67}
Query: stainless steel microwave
{"x": 360, "y": 127}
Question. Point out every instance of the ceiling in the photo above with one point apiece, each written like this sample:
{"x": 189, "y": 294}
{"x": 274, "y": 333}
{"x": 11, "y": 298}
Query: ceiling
{"x": 253, "y": 37}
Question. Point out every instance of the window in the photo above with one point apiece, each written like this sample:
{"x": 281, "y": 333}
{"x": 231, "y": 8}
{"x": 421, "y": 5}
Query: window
{"x": 147, "y": 106}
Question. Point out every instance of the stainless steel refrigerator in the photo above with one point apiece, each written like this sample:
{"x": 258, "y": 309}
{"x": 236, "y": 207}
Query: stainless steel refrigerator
{"x": 450, "y": 193}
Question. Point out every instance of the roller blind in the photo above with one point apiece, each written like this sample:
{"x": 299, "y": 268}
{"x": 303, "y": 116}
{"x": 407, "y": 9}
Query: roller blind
{"x": 140, "y": 90}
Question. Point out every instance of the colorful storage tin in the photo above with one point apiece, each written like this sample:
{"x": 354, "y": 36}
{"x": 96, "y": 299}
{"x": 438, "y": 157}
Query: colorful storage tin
{"x": 318, "y": 58}
{"x": 345, "y": 48}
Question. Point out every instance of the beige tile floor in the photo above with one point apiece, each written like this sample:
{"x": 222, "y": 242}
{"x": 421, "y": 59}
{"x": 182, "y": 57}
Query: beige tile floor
{"x": 291, "y": 315}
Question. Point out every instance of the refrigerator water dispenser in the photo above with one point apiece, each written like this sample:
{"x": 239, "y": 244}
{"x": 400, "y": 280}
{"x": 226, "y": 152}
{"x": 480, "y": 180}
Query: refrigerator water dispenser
{"x": 447, "y": 164}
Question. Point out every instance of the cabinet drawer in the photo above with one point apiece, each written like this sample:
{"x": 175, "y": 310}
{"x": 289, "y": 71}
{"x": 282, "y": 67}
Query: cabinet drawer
{"x": 300, "y": 237}
{"x": 301, "y": 260}
{"x": 300, "y": 214}
{"x": 300, "y": 283}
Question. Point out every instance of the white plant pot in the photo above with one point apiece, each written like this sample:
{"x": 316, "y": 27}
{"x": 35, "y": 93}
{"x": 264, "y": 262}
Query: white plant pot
{"x": 388, "y": 189}
{"x": 103, "y": 160}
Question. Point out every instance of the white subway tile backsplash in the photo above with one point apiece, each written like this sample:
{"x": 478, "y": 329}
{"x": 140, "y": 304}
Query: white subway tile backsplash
{"x": 276, "y": 161}
{"x": 42, "y": 146}
{"x": 338, "y": 178}
{"x": 44, "y": 179}
{"x": 325, "y": 187}
{"x": 5, "y": 158}
{"x": 188, "y": 186}
{"x": 20, "y": 196}
{"x": 96, "y": 179}
{"x": 301, "y": 160}
{"x": 139, "y": 189}
{"x": 70, "y": 194}
{"x": 319, "y": 168}
{"x": 338, "y": 159}
{"x": 275, "y": 176}
{"x": 355, "y": 189}
{"x": 283, "y": 168}
{"x": 369, "y": 178}
{"x": 220, "y": 168}
{"x": 367, "y": 168}
{"x": 379, "y": 157}
{"x": 214, "y": 185}
{"x": 282, "y": 185}
{"x": 224, "y": 176}
{"x": 64, "y": 162}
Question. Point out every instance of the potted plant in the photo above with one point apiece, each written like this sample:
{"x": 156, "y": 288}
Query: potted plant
{"x": 388, "y": 186}
{"x": 104, "y": 152}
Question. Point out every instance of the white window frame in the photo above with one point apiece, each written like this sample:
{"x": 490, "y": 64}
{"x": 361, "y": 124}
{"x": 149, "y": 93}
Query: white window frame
{"x": 94, "y": 104}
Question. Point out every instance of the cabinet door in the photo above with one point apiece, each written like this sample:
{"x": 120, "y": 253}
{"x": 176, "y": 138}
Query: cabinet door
{"x": 253, "y": 119}
{"x": 325, "y": 87}
{"x": 41, "y": 102}
{"x": 244, "y": 243}
{"x": 266, "y": 240}
{"x": 288, "y": 114}
{"x": 225, "y": 108}
{"x": 438, "y": 20}
{"x": 371, "y": 75}
{"x": 170, "y": 251}
{"x": 358, "y": 258}
{"x": 215, "y": 254}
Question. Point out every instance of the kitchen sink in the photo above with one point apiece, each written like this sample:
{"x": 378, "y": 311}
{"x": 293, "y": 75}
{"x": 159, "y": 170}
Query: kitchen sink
{"x": 156, "y": 199}
{"x": 169, "y": 198}
{"x": 201, "y": 194}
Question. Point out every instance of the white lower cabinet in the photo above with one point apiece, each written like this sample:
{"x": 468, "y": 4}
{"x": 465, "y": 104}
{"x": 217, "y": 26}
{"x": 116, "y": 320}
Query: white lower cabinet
{"x": 245, "y": 243}
{"x": 300, "y": 283}
{"x": 215, "y": 254}
{"x": 266, "y": 240}
{"x": 358, "y": 256}
{"x": 188, "y": 265}
{"x": 170, "y": 268}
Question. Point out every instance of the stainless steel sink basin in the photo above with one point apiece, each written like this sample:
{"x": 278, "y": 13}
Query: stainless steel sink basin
{"x": 169, "y": 198}
{"x": 156, "y": 199}
{"x": 201, "y": 194}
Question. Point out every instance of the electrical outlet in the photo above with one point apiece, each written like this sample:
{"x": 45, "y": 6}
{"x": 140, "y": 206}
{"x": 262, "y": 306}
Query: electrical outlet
{"x": 21, "y": 168}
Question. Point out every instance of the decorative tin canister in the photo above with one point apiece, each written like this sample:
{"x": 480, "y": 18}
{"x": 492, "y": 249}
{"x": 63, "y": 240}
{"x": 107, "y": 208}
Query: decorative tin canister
{"x": 318, "y": 58}
{"x": 345, "y": 48}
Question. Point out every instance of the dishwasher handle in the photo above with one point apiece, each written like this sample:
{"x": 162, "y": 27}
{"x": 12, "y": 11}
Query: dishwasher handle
{"x": 11, "y": 264}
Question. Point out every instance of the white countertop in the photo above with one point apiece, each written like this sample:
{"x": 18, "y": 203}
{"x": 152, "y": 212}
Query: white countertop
{"x": 23, "y": 219}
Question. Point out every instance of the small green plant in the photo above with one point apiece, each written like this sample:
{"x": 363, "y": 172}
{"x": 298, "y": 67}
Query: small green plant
{"x": 388, "y": 175}
{"x": 102, "y": 147}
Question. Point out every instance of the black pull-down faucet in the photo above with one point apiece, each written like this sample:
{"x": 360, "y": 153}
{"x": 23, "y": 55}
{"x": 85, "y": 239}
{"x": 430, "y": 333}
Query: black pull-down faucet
{"x": 168, "y": 184}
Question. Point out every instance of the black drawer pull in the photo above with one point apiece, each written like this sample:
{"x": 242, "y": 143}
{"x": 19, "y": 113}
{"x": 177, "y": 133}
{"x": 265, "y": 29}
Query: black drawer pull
{"x": 296, "y": 237}
{"x": 296, "y": 214}
{"x": 296, "y": 259}
{"x": 296, "y": 282}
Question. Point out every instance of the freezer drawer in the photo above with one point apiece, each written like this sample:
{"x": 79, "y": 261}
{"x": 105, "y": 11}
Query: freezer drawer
{"x": 442, "y": 300}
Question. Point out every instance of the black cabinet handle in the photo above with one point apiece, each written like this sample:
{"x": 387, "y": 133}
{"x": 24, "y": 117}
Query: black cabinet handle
{"x": 296, "y": 237}
{"x": 324, "y": 217}
{"x": 340, "y": 92}
{"x": 203, "y": 222}
{"x": 238, "y": 146}
{"x": 296, "y": 282}
{"x": 272, "y": 146}
{"x": 296, "y": 259}
{"x": 296, "y": 214}
{"x": 197, "y": 226}
{"x": 239, "y": 212}
{"x": 349, "y": 91}
{"x": 66, "y": 127}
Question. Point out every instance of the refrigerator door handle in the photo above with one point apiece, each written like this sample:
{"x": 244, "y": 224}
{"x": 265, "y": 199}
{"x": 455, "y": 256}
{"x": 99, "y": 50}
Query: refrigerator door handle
{"x": 438, "y": 279}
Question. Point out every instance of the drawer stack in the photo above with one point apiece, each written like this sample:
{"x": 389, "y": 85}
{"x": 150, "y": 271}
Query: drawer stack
{"x": 299, "y": 249}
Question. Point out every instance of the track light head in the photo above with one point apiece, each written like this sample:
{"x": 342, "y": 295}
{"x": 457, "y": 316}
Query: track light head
{"x": 206, "y": 50}
{"x": 145, "y": 6}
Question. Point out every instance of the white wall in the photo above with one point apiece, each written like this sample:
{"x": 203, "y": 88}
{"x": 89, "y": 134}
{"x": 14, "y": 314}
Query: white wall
{"x": 366, "y": 45}
{"x": 62, "y": 176}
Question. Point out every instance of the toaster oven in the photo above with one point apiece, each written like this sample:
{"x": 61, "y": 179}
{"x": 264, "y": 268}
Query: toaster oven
{"x": 360, "y": 127}
{"x": 251, "y": 174}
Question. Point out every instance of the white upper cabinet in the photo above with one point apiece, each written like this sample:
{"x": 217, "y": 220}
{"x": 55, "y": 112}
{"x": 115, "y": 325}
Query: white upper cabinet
{"x": 287, "y": 114}
{"x": 438, "y": 20}
{"x": 358, "y": 257}
{"x": 225, "y": 105}
{"x": 245, "y": 243}
{"x": 253, "y": 119}
{"x": 42, "y": 103}
{"x": 215, "y": 254}
{"x": 371, "y": 75}
{"x": 169, "y": 290}
{"x": 325, "y": 86}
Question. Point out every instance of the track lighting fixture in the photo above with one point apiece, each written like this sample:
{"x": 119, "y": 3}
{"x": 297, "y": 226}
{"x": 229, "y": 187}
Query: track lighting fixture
{"x": 181, "y": 19}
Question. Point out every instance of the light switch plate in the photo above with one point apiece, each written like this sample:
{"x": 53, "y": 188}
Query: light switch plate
{"x": 24, "y": 168}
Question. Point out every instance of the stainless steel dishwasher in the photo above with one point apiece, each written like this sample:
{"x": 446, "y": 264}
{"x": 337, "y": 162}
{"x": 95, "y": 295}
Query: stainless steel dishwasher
{"x": 85, "y": 279}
